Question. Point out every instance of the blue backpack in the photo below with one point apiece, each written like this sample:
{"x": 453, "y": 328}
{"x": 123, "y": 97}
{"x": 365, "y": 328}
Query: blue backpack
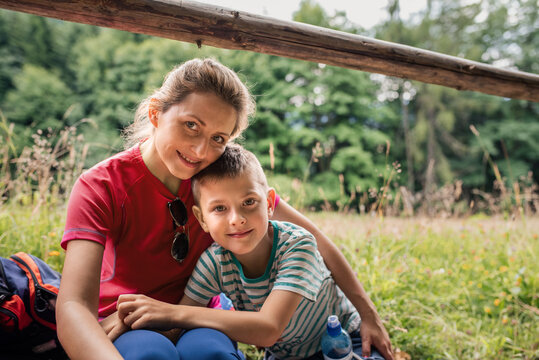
{"x": 28, "y": 291}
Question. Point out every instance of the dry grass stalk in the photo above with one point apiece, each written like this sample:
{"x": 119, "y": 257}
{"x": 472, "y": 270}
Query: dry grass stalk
{"x": 44, "y": 172}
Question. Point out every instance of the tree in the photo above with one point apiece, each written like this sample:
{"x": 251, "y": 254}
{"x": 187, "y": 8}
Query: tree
{"x": 440, "y": 117}
{"x": 304, "y": 106}
{"x": 40, "y": 100}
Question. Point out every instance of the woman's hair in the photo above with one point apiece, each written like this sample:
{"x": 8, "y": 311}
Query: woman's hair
{"x": 200, "y": 76}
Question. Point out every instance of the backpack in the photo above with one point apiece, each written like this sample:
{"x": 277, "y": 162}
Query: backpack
{"x": 28, "y": 291}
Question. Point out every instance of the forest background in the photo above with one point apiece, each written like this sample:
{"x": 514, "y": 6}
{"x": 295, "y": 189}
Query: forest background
{"x": 351, "y": 140}
{"x": 459, "y": 280}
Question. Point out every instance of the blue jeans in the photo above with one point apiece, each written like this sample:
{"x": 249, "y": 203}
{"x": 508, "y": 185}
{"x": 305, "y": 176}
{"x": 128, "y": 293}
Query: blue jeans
{"x": 196, "y": 344}
{"x": 356, "y": 344}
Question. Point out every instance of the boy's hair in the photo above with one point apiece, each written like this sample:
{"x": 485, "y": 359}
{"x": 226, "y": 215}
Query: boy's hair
{"x": 194, "y": 76}
{"x": 234, "y": 162}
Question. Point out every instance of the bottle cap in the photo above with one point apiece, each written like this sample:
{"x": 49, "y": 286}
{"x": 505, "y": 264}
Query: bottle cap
{"x": 334, "y": 326}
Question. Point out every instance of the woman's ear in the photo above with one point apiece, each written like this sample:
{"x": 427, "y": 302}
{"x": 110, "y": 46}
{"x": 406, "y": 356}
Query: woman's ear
{"x": 200, "y": 218}
{"x": 271, "y": 201}
{"x": 153, "y": 112}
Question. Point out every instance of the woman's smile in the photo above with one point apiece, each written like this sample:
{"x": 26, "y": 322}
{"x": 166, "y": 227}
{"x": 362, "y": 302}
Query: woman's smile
{"x": 187, "y": 161}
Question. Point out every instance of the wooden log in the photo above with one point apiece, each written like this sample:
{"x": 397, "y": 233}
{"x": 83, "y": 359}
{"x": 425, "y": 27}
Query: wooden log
{"x": 205, "y": 24}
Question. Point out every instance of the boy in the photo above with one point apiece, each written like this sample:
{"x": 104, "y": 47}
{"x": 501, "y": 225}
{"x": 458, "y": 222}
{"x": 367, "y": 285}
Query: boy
{"x": 270, "y": 270}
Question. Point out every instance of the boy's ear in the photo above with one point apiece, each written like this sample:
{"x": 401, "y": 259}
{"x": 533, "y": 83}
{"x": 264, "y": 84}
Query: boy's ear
{"x": 153, "y": 112}
{"x": 200, "y": 218}
{"x": 271, "y": 201}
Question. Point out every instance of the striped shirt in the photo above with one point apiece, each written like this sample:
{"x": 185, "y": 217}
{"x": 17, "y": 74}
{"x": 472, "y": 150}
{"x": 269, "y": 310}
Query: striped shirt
{"x": 295, "y": 265}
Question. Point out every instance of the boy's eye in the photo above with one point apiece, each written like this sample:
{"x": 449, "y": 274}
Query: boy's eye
{"x": 249, "y": 202}
{"x": 219, "y": 208}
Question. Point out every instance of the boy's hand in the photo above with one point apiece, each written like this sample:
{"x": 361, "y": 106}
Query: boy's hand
{"x": 140, "y": 311}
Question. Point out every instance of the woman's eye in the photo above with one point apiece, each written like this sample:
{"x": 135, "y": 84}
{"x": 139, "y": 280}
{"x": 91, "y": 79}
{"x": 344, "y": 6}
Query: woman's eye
{"x": 219, "y": 139}
{"x": 191, "y": 125}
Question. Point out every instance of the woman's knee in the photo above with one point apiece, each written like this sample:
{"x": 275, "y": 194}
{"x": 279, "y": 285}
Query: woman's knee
{"x": 203, "y": 343}
{"x": 145, "y": 345}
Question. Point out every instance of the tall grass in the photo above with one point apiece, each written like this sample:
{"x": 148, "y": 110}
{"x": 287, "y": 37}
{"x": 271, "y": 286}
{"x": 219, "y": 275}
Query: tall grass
{"x": 41, "y": 174}
{"x": 446, "y": 288}
{"x": 39, "y": 233}
{"x": 35, "y": 183}
{"x": 510, "y": 196}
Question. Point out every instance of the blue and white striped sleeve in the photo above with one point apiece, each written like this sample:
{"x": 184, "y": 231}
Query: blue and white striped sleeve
{"x": 204, "y": 281}
{"x": 300, "y": 267}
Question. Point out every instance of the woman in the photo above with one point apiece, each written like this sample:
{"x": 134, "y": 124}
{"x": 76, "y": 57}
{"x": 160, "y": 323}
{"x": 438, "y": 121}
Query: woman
{"x": 130, "y": 228}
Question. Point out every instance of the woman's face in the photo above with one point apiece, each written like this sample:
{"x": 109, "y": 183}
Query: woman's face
{"x": 192, "y": 134}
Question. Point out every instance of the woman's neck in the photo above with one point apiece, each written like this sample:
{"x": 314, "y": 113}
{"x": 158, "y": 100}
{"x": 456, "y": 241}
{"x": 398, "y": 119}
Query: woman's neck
{"x": 156, "y": 166}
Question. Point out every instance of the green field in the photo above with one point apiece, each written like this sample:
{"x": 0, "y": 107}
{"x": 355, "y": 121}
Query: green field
{"x": 445, "y": 289}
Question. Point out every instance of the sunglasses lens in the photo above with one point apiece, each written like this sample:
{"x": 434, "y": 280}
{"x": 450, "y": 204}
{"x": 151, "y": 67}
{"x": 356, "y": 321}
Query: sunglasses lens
{"x": 180, "y": 247}
{"x": 178, "y": 211}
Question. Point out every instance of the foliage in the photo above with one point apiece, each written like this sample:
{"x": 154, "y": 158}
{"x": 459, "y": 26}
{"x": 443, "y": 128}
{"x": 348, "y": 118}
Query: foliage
{"x": 40, "y": 100}
{"x": 327, "y": 127}
{"x": 440, "y": 118}
{"x": 329, "y": 138}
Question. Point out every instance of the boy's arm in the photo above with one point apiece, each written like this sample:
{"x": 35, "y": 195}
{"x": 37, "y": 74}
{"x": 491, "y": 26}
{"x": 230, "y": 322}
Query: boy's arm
{"x": 372, "y": 329}
{"x": 262, "y": 328}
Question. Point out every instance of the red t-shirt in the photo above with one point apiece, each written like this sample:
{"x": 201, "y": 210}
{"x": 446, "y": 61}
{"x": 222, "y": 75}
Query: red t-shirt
{"x": 121, "y": 205}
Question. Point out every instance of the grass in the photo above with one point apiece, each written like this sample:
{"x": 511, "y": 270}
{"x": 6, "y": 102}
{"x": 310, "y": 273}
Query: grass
{"x": 445, "y": 289}
{"x": 38, "y": 233}
{"x": 448, "y": 289}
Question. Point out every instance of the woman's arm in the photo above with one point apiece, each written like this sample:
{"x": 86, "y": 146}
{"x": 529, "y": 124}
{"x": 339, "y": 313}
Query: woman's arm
{"x": 372, "y": 329}
{"x": 76, "y": 309}
{"x": 262, "y": 328}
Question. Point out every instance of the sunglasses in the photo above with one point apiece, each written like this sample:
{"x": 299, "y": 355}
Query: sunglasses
{"x": 180, "y": 244}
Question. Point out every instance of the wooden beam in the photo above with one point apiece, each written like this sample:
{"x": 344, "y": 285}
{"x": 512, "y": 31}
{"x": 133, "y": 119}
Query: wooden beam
{"x": 205, "y": 24}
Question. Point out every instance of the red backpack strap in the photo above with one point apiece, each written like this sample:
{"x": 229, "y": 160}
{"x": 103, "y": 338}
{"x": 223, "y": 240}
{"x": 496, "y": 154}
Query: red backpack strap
{"x": 38, "y": 290}
{"x": 13, "y": 315}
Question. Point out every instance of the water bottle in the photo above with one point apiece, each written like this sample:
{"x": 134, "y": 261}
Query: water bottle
{"x": 336, "y": 343}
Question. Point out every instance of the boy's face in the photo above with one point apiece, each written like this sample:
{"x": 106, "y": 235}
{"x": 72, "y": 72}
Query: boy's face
{"x": 235, "y": 212}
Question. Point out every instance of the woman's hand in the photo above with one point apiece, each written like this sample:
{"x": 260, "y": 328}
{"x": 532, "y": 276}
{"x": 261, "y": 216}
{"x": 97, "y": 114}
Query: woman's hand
{"x": 113, "y": 326}
{"x": 143, "y": 312}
